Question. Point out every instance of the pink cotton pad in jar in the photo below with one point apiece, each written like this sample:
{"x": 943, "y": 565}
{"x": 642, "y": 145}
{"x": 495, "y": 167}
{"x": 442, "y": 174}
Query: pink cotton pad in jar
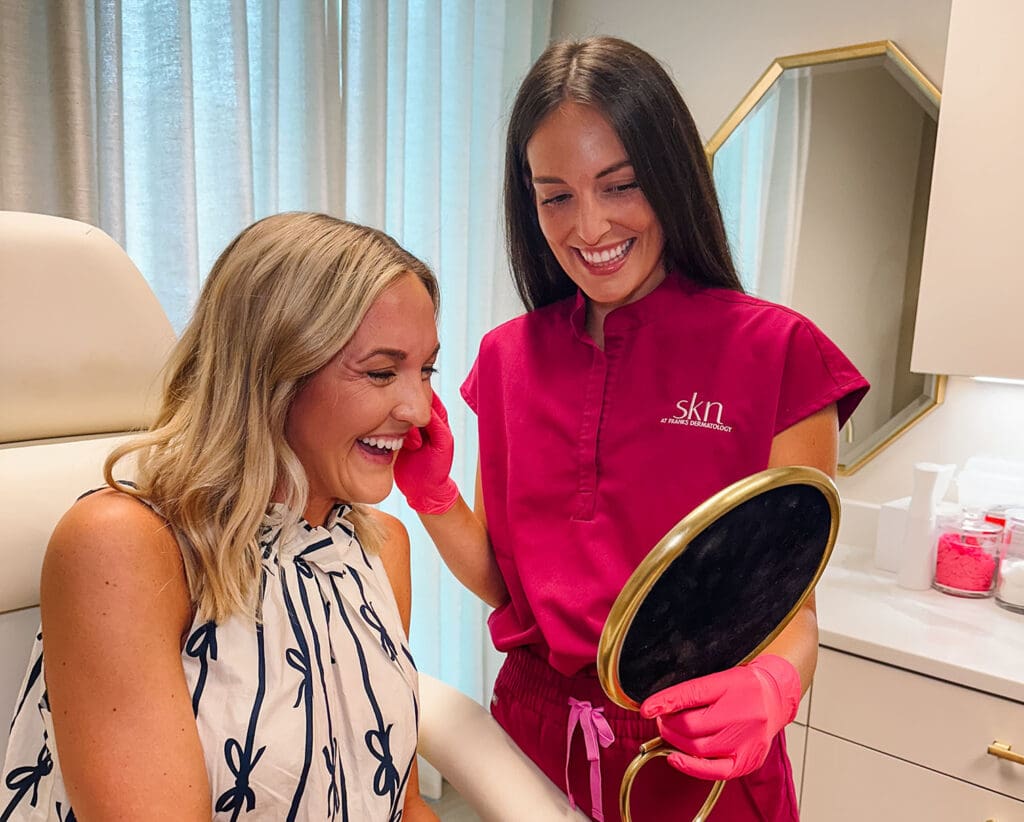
{"x": 966, "y": 560}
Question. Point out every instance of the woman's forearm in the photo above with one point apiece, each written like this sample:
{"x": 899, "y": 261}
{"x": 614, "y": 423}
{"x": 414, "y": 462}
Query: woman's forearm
{"x": 462, "y": 541}
{"x": 798, "y": 643}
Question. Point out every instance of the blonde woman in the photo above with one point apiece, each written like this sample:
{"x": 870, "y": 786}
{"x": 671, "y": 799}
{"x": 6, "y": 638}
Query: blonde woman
{"x": 226, "y": 637}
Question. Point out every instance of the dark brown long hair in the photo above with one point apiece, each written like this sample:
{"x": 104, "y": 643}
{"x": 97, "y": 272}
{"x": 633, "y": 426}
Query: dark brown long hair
{"x": 644, "y": 107}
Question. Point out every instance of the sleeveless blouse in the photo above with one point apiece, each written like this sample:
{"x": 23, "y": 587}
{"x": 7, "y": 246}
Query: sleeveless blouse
{"x": 310, "y": 714}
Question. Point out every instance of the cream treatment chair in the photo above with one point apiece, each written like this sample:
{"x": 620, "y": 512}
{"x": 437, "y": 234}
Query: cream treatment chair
{"x": 82, "y": 341}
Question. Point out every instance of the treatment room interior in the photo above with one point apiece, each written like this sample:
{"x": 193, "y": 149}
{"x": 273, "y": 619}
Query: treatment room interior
{"x": 917, "y": 707}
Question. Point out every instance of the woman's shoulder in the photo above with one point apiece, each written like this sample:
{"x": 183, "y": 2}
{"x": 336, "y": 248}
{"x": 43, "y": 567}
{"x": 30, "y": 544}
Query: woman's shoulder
{"x": 810, "y": 363}
{"x": 390, "y": 527}
{"x": 746, "y": 317}
{"x": 99, "y": 516}
{"x": 748, "y": 305}
{"x": 394, "y": 544}
{"x": 111, "y": 540}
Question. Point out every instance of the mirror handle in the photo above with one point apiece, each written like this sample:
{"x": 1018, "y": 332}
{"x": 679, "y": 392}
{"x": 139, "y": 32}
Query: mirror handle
{"x": 649, "y": 750}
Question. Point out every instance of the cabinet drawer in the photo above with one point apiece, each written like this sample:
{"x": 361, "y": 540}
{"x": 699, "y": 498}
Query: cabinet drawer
{"x": 844, "y": 782}
{"x": 932, "y": 723}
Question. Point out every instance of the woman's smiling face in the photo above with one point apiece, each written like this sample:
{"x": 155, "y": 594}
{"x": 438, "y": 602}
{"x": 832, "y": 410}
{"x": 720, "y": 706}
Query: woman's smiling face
{"x": 347, "y": 421}
{"x": 594, "y": 216}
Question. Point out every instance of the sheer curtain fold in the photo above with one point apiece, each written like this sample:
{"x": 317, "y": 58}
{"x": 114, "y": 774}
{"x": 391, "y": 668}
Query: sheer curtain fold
{"x": 106, "y": 73}
{"x": 222, "y": 105}
{"x": 47, "y": 103}
{"x": 161, "y": 219}
{"x": 759, "y": 173}
{"x": 365, "y": 47}
{"x": 173, "y": 124}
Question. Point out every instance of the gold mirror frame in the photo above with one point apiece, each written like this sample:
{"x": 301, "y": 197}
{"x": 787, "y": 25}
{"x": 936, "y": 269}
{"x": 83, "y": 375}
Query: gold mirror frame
{"x": 927, "y": 94}
{"x": 633, "y": 594}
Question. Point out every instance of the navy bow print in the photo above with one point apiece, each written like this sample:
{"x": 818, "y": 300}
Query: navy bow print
{"x": 203, "y": 642}
{"x": 297, "y": 661}
{"x": 370, "y": 618}
{"x": 239, "y": 762}
{"x": 27, "y": 778}
{"x": 202, "y": 645}
{"x": 331, "y": 761}
{"x": 385, "y": 780}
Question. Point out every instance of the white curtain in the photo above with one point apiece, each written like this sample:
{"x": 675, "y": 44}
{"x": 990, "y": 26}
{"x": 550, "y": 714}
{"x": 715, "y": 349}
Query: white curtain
{"x": 760, "y": 172}
{"x": 173, "y": 124}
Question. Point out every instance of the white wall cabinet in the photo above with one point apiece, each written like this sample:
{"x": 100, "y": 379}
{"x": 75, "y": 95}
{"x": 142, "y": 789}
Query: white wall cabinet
{"x": 886, "y": 744}
{"x": 968, "y": 315}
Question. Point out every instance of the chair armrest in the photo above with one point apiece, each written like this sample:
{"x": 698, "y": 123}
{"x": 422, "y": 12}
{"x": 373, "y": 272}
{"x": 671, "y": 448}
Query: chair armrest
{"x": 477, "y": 758}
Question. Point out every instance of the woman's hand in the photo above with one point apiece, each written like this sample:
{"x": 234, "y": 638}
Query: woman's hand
{"x": 723, "y": 724}
{"x": 424, "y": 464}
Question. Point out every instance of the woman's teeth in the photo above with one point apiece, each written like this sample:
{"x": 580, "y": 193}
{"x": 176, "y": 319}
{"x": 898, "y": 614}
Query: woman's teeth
{"x": 383, "y": 443}
{"x": 606, "y": 256}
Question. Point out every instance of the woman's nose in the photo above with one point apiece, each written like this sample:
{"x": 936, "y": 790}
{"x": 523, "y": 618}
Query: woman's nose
{"x": 414, "y": 406}
{"x": 591, "y": 222}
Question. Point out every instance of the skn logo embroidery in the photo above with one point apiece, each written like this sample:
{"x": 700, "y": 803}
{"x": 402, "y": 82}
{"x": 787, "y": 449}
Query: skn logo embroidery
{"x": 699, "y": 414}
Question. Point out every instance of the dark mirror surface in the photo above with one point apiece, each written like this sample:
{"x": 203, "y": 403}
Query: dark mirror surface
{"x": 731, "y": 587}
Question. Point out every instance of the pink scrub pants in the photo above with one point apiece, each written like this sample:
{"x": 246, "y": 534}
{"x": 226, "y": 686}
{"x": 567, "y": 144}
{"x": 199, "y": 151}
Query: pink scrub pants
{"x": 532, "y": 703}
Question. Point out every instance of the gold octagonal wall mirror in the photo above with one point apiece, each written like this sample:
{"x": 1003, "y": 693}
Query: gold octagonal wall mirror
{"x": 824, "y": 172}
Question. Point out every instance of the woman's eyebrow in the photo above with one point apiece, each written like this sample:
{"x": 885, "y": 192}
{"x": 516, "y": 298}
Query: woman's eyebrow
{"x": 394, "y": 353}
{"x": 603, "y": 173}
{"x": 614, "y": 167}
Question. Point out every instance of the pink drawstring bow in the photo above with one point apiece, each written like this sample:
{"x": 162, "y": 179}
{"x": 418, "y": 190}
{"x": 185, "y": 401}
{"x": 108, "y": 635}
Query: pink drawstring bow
{"x": 597, "y": 734}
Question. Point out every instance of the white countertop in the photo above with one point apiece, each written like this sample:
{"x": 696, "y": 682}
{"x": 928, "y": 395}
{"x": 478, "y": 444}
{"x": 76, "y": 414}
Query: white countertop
{"x": 971, "y": 642}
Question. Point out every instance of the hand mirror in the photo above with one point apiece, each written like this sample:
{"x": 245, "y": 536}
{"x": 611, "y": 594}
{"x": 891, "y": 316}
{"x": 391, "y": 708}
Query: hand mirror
{"x": 715, "y": 591}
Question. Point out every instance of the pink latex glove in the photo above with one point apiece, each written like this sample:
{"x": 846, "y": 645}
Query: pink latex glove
{"x": 723, "y": 724}
{"x": 424, "y": 463}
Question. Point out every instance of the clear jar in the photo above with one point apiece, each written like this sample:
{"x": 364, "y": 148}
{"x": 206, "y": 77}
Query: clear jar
{"x": 1010, "y": 577}
{"x": 966, "y": 558}
{"x": 948, "y": 517}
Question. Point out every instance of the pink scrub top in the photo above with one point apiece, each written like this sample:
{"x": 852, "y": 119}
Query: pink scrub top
{"x": 587, "y": 457}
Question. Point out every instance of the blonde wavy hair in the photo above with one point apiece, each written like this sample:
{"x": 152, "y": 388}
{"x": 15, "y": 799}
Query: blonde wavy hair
{"x": 279, "y": 303}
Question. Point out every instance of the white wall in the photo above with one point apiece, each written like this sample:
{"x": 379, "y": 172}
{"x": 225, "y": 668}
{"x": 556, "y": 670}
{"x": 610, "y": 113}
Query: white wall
{"x": 715, "y": 59}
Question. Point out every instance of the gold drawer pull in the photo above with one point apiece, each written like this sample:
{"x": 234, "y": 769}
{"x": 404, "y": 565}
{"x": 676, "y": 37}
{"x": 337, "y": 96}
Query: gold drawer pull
{"x": 1002, "y": 750}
